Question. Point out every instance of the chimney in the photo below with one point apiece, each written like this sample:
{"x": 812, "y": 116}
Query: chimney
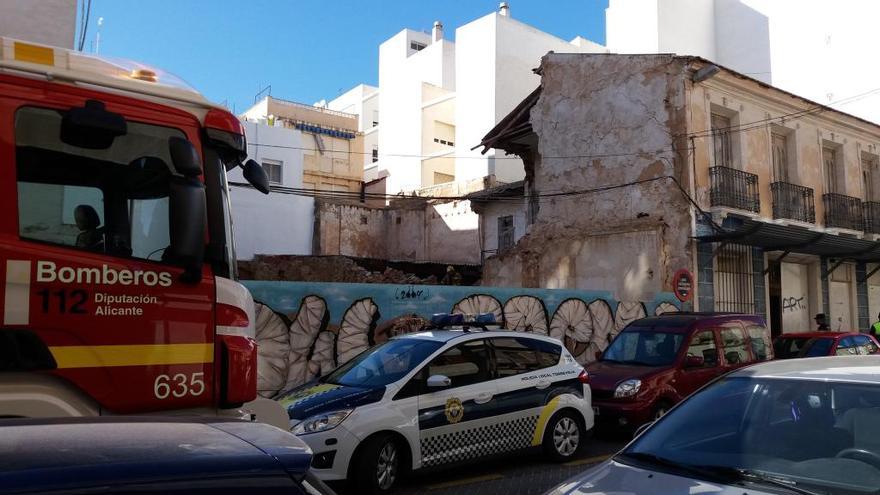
{"x": 504, "y": 9}
{"x": 437, "y": 31}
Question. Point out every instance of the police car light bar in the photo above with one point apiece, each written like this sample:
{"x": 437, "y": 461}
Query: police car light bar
{"x": 443, "y": 320}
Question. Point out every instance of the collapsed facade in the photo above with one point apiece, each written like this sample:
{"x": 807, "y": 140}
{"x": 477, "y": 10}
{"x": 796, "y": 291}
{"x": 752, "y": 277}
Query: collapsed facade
{"x": 638, "y": 166}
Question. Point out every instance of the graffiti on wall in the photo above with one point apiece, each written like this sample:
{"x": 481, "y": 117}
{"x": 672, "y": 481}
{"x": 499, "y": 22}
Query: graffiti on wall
{"x": 305, "y": 330}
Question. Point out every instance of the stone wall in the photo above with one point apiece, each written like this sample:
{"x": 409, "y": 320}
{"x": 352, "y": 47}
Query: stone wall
{"x": 416, "y": 230}
{"x": 606, "y": 121}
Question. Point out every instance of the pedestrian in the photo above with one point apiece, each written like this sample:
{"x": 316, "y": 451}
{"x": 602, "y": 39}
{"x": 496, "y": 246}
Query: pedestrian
{"x": 875, "y": 328}
{"x": 821, "y": 324}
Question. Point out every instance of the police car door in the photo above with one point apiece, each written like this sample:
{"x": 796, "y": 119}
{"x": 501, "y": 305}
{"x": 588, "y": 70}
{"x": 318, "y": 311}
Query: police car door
{"x": 456, "y": 421}
{"x": 531, "y": 374}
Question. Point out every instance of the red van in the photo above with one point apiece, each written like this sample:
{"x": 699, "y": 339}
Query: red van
{"x": 657, "y": 361}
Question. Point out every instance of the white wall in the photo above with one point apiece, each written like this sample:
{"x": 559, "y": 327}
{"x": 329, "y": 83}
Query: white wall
{"x": 814, "y": 48}
{"x": 401, "y": 74}
{"x": 275, "y": 224}
{"x": 280, "y": 223}
{"x": 495, "y": 56}
{"x": 51, "y": 22}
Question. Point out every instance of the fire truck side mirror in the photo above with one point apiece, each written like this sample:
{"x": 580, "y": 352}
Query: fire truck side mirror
{"x": 187, "y": 215}
{"x": 256, "y": 176}
{"x": 185, "y": 157}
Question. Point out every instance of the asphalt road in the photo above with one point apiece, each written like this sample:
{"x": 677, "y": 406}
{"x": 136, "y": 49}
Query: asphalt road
{"x": 522, "y": 474}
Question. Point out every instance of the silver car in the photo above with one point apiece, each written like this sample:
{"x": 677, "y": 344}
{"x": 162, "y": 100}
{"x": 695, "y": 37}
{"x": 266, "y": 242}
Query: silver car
{"x": 808, "y": 426}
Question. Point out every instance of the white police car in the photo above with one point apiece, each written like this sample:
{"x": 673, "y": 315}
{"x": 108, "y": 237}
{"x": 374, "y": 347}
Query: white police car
{"x": 440, "y": 397}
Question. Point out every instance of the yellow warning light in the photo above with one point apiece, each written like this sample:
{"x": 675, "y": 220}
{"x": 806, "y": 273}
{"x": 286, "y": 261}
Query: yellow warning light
{"x": 35, "y": 54}
{"x": 144, "y": 75}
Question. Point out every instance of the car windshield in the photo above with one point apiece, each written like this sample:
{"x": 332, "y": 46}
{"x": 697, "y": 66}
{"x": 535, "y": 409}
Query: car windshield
{"x": 789, "y": 347}
{"x": 383, "y": 364}
{"x": 644, "y": 347}
{"x": 817, "y": 347}
{"x": 817, "y": 435}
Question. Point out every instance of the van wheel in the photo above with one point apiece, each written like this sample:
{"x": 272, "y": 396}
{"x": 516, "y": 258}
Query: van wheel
{"x": 563, "y": 436}
{"x": 378, "y": 465}
{"x": 660, "y": 410}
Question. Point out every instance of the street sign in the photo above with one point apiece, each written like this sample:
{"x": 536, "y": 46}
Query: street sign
{"x": 683, "y": 285}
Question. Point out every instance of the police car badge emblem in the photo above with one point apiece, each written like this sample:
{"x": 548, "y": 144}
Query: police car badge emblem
{"x": 454, "y": 410}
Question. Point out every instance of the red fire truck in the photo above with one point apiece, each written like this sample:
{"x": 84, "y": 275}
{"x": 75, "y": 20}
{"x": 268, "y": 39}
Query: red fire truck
{"x": 118, "y": 294}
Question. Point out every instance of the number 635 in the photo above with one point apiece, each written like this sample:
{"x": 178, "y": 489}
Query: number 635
{"x": 179, "y": 385}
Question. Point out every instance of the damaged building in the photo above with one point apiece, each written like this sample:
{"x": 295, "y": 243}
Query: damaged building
{"x": 639, "y": 166}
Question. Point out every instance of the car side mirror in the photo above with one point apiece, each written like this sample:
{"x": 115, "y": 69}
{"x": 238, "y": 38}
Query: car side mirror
{"x": 256, "y": 176}
{"x": 694, "y": 361}
{"x": 439, "y": 381}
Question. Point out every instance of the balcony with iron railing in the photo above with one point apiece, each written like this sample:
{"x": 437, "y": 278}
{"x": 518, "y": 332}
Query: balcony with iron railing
{"x": 734, "y": 188}
{"x": 844, "y": 212}
{"x": 793, "y": 202}
{"x": 872, "y": 217}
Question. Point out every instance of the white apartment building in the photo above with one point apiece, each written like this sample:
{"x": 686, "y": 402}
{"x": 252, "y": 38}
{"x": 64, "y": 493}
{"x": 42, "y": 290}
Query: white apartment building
{"x": 818, "y": 49}
{"x": 280, "y": 223}
{"x": 363, "y": 101}
{"x": 438, "y": 98}
{"x": 50, "y": 22}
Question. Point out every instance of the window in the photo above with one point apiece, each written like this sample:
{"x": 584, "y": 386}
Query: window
{"x": 112, "y": 200}
{"x": 517, "y": 355}
{"x": 870, "y": 175}
{"x": 444, "y": 142}
{"x": 464, "y": 364}
{"x": 273, "y": 170}
{"x": 505, "y": 233}
{"x": 846, "y": 347}
{"x": 758, "y": 338}
{"x": 734, "y": 345}
{"x": 644, "y": 347}
{"x": 734, "y": 282}
{"x": 779, "y": 148}
{"x": 864, "y": 344}
{"x": 415, "y": 45}
{"x": 375, "y": 154}
{"x": 817, "y": 347}
{"x": 721, "y": 141}
{"x": 703, "y": 345}
{"x": 829, "y": 166}
{"x": 788, "y": 347}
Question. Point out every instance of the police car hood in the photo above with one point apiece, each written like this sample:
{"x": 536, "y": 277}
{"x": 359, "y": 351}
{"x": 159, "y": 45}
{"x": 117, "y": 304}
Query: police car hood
{"x": 316, "y": 398}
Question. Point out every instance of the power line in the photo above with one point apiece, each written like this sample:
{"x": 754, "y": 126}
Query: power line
{"x": 473, "y": 157}
{"x": 87, "y": 5}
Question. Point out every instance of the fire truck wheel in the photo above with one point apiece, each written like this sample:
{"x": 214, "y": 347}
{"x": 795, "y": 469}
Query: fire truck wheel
{"x": 378, "y": 465}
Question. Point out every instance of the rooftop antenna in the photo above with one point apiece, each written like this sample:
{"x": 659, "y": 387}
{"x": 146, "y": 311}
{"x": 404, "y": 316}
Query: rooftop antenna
{"x": 98, "y": 35}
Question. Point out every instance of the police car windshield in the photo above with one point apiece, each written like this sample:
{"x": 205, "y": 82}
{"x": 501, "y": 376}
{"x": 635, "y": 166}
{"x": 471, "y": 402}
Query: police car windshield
{"x": 383, "y": 364}
{"x": 644, "y": 346}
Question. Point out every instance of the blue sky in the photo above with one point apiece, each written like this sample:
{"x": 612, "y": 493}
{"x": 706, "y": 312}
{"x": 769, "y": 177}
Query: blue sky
{"x": 306, "y": 49}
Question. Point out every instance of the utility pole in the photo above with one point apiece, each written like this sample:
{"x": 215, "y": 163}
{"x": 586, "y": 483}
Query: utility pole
{"x": 98, "y": 35}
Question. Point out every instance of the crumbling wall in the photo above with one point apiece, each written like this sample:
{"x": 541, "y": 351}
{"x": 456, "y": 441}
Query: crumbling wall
{"x": 414, "y": 229}
{"x": 606, "y": 121}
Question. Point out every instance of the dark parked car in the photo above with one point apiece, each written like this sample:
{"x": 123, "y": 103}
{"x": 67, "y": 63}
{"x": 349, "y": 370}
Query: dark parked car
{"x": 656, "y": 362}
{"x": 167, "y": 456}
{"x": 816, "y": 344}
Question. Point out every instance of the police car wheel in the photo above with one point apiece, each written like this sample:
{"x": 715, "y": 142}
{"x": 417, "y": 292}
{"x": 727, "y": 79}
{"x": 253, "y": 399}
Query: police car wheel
{"x": 378, "y": 465}
{"x": 562, "y": 436}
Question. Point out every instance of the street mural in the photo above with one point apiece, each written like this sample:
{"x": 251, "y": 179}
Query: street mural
{"x": 305, "y": 330}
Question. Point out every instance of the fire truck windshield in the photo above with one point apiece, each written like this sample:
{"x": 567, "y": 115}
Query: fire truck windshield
{"x": 112, "y": 200}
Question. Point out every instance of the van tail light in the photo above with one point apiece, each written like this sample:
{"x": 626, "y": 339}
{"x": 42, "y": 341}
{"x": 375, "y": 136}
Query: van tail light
{"x": 584, "y": 377}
